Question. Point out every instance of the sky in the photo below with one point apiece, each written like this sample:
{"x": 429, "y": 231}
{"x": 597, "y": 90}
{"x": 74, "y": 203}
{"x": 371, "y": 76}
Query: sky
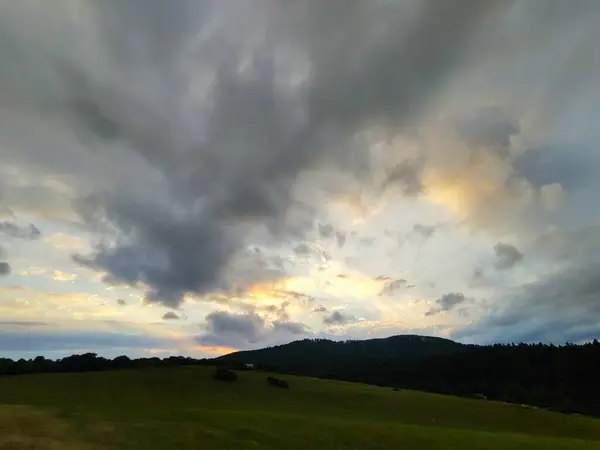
{"x": 198, "y": 176}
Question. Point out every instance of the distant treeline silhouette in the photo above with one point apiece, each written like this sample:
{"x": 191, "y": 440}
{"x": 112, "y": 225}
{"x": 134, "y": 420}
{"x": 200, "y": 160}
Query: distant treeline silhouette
{"x": 89, "y": 362}
{"x": 563, "y": 378}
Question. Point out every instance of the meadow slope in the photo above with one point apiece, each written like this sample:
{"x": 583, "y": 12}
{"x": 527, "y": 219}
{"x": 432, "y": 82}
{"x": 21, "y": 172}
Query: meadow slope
{"x": 184, "y": 408}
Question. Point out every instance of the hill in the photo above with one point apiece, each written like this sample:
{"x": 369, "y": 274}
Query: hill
{"x": 323, "y": 357}
{"x": 556, "y": 377}
{"x": 185, "y": 408}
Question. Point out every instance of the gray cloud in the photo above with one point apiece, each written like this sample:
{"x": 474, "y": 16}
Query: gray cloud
{"x": 14, "y": 230}
{"x": 28, "y": 339}
{"x": 248, "y": 330}
{"x": 190, "y": 130}
{"x": 561, "y": 305}
{"x": 17, "y": 231}
{"x": 279, "y": 310}
{"x": 303, "y": 248}
{"x": 290, "y": 327}
{"x": 559, "y": 308}
{"x": 392, "y": 286}
{"x": 447, "y": 302}
{"x": 507, "y": 256}
{"x": 121, "y": 302}
{"x": 170, "y": 315}
{"x": 340, "y": 238}
{"x": 407, "y": 176}
{"x": 326, "y": 230}
{"x": 490, "y": 128}
{"x": 424, "y": 230}
{"x": 4, "y": 268}
{"x": 320, "y": 309}
{"x": 177, "y": 172}
{"x": 339, "y": 318}
{"x": 572, "y": 167}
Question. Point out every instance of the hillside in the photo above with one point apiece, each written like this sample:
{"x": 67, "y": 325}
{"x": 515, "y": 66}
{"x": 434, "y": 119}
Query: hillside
{"x": 185, "y": 408}
{"x": 322, "y": 357}
{"x": 556, "y": 377}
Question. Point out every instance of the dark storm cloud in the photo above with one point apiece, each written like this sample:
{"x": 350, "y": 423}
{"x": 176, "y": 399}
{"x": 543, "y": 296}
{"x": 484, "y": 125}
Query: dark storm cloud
{"x": 247, "y": 330}
{"x": 4, "y": 268}
{"x": 339, "y": 318}
{"x": 447, "y": 302}
{"x": 506, "y": 256}
{"x": 175, "y": 171}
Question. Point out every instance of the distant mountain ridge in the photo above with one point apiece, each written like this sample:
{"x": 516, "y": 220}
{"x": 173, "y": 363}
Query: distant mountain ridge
{"x": 321, "y": 357}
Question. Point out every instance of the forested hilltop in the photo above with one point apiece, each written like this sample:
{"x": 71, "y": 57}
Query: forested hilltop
{"x": 563, "y": 378}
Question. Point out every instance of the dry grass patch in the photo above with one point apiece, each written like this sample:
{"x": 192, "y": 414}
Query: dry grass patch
{"x": 27, "y": 428}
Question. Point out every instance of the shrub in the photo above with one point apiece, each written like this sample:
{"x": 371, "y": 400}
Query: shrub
{"x": 276, "y": 382}
{"x": 225, "y": 375}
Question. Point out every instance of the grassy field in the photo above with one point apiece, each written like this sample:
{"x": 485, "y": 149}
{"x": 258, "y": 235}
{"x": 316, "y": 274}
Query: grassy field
{"x": 184, "y": 408}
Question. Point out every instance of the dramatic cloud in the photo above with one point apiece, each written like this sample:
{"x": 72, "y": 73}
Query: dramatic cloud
{"x": 447, "y": 302}
{"x": 174, "y": 92}
{"x": 244, "y": 156}
{"x": 506, "y": 256}
{"x": 339, "y": 318}
{"x": 247, "y": 330}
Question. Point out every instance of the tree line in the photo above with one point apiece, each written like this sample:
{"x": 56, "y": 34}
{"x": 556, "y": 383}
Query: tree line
{"x": 88, "y": 362}
{"x": 563, "y": 378}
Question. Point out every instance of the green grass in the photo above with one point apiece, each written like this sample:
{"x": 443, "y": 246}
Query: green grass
{"x": 184, "y": 408}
